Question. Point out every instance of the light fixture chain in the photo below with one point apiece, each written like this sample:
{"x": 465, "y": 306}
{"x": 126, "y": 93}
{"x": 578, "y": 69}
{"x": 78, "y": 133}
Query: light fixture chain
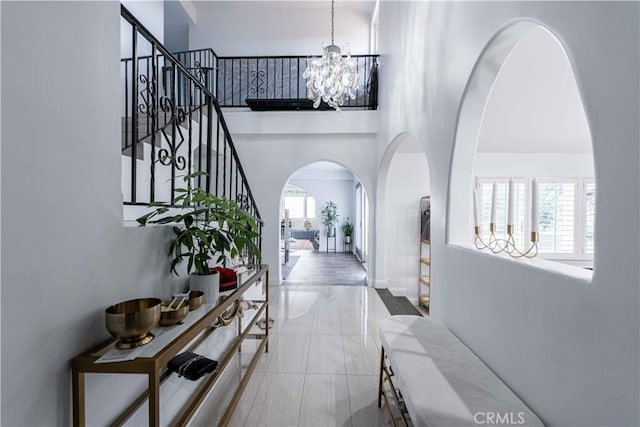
{"x": 332, "y": 18}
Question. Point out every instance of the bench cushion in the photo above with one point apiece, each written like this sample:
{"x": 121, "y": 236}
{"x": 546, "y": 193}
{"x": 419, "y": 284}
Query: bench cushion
{"x": 442, "y": 381}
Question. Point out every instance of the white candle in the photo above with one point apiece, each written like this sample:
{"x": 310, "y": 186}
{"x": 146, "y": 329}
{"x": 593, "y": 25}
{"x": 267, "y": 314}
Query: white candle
{"x": 494, "y": 194}
{"x": 534, "y": 206}
{"x": 476, "y": 223}
{"x": 510, "y": 206}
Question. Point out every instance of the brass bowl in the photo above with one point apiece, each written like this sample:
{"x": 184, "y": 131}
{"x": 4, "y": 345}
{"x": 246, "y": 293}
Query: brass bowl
{"x": 130, "y": 321}
{"x": 171, "y": 316}
{"x": 196, "y": 298}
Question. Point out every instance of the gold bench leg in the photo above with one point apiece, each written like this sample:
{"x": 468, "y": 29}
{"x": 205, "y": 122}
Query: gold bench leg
{"x": 380, "y": 381}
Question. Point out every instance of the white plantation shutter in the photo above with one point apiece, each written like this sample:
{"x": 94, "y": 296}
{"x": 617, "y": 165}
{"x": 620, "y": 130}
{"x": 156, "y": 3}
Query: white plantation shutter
{"x": 566, "y": 212}
{"x": 590, "y": 210}
{"x": 557, "y": 217}
{"x": 295, "y": 204}
{"x": 311, "y": 207}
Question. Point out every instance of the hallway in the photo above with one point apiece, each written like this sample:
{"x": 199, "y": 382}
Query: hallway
{"x": 322, "y": 365}
{"x": 322, "y": 269}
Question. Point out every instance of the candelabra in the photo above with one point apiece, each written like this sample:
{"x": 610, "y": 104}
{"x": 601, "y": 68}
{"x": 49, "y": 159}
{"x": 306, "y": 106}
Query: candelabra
{"x": 507, "y": 245}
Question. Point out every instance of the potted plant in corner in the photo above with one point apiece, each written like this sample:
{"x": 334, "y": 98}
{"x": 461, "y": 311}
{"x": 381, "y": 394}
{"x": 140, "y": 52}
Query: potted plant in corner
{"x": 347, "y": 230}
{"x": 330, "y": 218}
{"x": 205, "y": 228}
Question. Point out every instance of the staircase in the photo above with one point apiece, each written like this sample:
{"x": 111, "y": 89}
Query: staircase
{"x": 172, "y": 125}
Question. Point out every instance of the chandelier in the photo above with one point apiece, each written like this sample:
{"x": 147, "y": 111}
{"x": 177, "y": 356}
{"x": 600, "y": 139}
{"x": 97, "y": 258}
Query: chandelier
{"x": 331, "y": 77}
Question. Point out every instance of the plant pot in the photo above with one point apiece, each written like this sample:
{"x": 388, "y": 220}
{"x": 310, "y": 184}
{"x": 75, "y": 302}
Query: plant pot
{"x": 347, "y": 239}
{"x": 331, "y": 231}
{"x": 209, "y": 284}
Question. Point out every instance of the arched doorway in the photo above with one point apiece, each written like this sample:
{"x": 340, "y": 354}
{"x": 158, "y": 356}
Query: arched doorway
{"x": 403, "y": 179}
{"x": 309, "y": 254}
{"x": 522, "y": 125}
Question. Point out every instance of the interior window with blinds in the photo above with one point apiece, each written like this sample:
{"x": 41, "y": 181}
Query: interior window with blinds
{"x": 311, "y": 208}
{"x": 566, "y": 214}
{"x": 590, "y": 210}
{"x": 295, "y": 204}
{"x": 300, "y": 205}
{"x": 557, "y": 217}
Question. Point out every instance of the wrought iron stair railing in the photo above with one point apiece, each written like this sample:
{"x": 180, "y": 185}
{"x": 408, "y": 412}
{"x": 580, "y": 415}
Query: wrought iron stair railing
{"x": 242, "y": 81}
{"x": 172, "y": 125}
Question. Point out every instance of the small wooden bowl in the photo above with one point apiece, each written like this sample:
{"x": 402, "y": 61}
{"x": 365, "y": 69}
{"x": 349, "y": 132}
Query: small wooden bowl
{"x": 171, "y": 316}
{"x": 196, "y": 298}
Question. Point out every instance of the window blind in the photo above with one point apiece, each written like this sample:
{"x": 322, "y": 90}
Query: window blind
{"x": 590, "y": 211}
{"x": 556, "y": 213}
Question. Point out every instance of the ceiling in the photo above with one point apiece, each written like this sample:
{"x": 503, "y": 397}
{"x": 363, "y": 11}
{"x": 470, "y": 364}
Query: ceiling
{"x": 365, "y": 6}
{"x": 535, "y": 105}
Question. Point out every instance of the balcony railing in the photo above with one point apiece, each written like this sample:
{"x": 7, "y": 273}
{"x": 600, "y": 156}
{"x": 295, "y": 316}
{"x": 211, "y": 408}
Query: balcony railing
{"x": 278, "y": 80}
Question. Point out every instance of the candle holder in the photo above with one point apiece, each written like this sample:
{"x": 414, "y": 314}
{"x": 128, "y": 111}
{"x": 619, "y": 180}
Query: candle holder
{"x": 507, "y": 245}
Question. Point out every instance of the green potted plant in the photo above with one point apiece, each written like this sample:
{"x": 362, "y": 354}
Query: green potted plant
{"x": 347, "y": 230}
{"x": 205, "y": 228}
{"x": 330, "y": 218}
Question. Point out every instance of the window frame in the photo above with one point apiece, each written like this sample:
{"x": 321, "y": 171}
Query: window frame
{"x": 305, "y": 206}
{"x": 580, "y": 212}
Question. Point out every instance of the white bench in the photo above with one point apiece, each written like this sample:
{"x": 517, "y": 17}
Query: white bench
{"x": 441, "y": 381}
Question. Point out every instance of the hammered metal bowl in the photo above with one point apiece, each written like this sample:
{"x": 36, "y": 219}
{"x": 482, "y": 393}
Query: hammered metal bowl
{"x": 171, "y": 316}
{"x": 196, "y": 299}
{"x": 131, "y": 321}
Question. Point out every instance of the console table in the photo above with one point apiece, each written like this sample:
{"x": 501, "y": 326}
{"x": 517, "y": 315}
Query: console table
{"x": 153, "y": 357}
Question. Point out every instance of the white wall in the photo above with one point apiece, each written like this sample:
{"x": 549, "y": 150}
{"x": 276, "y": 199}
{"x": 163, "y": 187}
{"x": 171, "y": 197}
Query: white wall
{"x": 407, "y": 182}
{"x": 70, "y": 256}
{"x": 339, "y": 192}
{"x": 235, "y": 28}
{"x": 539, "y": 165}
{"x": 151, "y": 14}
{"x": 534, "y": 105}
{"x": 568, "y": 347}
{"x": 176, "y": 26}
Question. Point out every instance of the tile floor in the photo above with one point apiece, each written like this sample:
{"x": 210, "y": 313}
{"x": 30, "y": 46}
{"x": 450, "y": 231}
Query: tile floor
{"x": 322, "y": 268}
{"x": 322, "y": 365}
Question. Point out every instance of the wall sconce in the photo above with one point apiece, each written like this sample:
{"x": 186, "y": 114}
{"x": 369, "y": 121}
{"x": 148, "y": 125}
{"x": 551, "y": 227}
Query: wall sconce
{"x": 507, "y": 245}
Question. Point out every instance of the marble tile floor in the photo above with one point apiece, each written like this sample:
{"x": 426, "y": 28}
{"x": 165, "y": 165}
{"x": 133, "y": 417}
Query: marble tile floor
{"x": 321, "y": 268}
{"x": 322, "y": 366}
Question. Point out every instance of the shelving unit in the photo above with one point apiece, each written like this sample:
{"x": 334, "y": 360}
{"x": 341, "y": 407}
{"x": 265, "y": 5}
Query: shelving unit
{"x": 424, "y": 284}
{"x": 193, "y": 335}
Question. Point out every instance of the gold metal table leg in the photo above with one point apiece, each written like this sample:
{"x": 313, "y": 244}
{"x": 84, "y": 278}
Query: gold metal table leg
{"x": 154, "y": 399}
{"x": 78, "y": 398}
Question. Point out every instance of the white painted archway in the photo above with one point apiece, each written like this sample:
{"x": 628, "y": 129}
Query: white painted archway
{"x": 543, "y": 130}
{"x": 388, "y": 189}
{"x": 319, "y": 205}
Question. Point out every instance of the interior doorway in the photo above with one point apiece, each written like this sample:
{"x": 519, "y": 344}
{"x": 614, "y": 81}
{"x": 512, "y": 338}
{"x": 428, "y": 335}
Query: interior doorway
{"x": 314, "y": 250}
{"x": 403, "y": 181}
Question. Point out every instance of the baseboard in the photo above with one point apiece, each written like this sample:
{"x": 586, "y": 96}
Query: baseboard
{"x": 380, "y": 283}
